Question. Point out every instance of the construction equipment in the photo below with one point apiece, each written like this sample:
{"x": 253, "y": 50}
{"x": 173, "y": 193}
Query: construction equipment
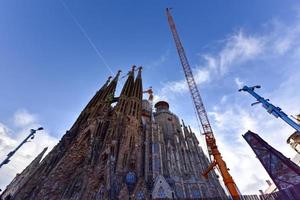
{"x": 149, "y": 91}
{"x": 284, "y": 172}
{"x": 271, "y": 109}
{"x": 207, "y": 130}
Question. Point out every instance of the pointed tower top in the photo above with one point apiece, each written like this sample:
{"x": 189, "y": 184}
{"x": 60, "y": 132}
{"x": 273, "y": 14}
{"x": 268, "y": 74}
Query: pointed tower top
{"x": 117, "y": 75}
{"x": 183, "y": 125}
{"x": 138, "y": 88}
{"x": 133, "y": 68}
{"x": 110, "y": 89}
{"x": 37, "y": 159}
{"x": 139, "y": 72}
{"x": 105, "y": 84}
{"x": 109, "y": 78}
{"x": 128, "y": 86}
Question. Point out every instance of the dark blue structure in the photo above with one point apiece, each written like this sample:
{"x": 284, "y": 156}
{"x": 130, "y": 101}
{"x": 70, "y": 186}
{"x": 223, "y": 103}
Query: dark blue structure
{"x": 284, "y": 173}
{"x": 276, "y": 111}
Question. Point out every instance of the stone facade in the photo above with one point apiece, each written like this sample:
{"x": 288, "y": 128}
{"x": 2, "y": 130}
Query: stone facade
{"x": 119, "y": 149}
{"x": 21, "y": 179}
{"x": 177, "y": 157}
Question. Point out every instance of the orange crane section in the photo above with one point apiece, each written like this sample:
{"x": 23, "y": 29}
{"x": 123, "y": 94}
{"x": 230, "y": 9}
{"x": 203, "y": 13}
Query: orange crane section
{"x": 202, "y": 115}
{"x": 149, "y": 91}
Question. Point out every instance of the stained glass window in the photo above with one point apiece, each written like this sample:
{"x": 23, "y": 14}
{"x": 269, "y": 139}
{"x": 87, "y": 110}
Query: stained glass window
{"x": 196, "y": 192}
{"x": 130, "y": 178}
{"x": 155, "y": 148}
{"x": 156, "y": 164}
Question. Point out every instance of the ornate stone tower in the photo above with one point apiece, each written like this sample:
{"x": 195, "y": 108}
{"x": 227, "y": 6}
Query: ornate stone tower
{"x": 119, "y": 149}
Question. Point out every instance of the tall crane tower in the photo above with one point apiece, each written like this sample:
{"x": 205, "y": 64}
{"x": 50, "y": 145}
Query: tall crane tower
{"x": 202, "y": 115}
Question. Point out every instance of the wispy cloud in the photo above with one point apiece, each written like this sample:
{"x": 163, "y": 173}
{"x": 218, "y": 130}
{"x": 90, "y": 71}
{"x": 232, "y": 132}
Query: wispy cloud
{"x": 237, "y": 49}
{"x": 159, "y": 61}
{"x": 24, "y": 118}
{"x": 238, "y": 82}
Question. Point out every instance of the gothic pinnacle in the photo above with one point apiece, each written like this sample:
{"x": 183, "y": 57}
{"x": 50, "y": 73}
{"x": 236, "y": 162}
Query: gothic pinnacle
{"x": 133, "y": 68}
{"x": 117, "y": 75}
{"x": 139, "y": 72}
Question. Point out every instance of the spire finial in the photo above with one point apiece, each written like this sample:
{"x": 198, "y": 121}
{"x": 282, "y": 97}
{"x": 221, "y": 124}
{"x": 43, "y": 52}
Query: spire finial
{"x": 119, "y": 71}
{"x": 133, "y": 68}
{"x": 117, "y": 76}
{"x": 139, "y": 72}
{"x": 107, "y": 82}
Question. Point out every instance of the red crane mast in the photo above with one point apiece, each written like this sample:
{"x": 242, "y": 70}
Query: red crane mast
{"x": 202, "y": 115}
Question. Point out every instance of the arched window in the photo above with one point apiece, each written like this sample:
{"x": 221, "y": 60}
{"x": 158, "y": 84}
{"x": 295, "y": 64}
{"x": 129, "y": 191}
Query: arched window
{"x": 195, "y": 192}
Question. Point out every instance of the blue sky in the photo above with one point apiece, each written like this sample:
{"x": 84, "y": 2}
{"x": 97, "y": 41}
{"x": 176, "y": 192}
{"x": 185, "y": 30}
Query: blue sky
{"x": 49, "y": 70}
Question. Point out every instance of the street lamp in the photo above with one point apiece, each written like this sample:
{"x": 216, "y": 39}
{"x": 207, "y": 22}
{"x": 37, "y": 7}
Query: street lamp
{"x": 10, "y": 154}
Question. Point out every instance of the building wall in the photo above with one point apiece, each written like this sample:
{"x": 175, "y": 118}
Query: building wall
{"x": 183, "y": 158}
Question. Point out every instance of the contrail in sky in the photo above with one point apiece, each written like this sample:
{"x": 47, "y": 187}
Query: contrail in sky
{"x": 86, "y": 36}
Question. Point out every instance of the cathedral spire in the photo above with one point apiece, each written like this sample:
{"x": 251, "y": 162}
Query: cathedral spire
{"x": 137, "y": 90}
{"x": 111, "y": 88}
{"x": 106, "y": 83}
{"x": 99, "y": 93}
{"x": 126, "y": 92}
{"x": 106, "y": 97}
{"x": 128, "y": 86}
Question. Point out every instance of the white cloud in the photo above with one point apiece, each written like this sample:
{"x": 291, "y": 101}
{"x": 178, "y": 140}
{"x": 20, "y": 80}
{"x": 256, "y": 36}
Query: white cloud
{"x": 180, "y": 87}
{"x": 285, "y": 37}
{"x": 23, "y": 118}
{"x": 10, "y": 139}
{"x": 239, "y": 83}
{"x": 159, "y": 61}
{"x": 238, "y": 48}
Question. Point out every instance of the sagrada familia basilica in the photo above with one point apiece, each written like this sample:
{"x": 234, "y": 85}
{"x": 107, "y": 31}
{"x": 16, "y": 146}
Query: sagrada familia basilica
{"x": 120, "y": 148}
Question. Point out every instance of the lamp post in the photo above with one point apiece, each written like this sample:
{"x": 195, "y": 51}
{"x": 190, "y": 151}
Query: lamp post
{"x": 271, "y": 109}
{"x": 10, "y": 154}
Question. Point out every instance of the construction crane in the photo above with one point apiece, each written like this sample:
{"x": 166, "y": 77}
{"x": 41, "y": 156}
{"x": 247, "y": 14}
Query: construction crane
{"x": 275, "y": 111}
{"x": 202, "y": 115}
{"x": 149, "y": 91}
